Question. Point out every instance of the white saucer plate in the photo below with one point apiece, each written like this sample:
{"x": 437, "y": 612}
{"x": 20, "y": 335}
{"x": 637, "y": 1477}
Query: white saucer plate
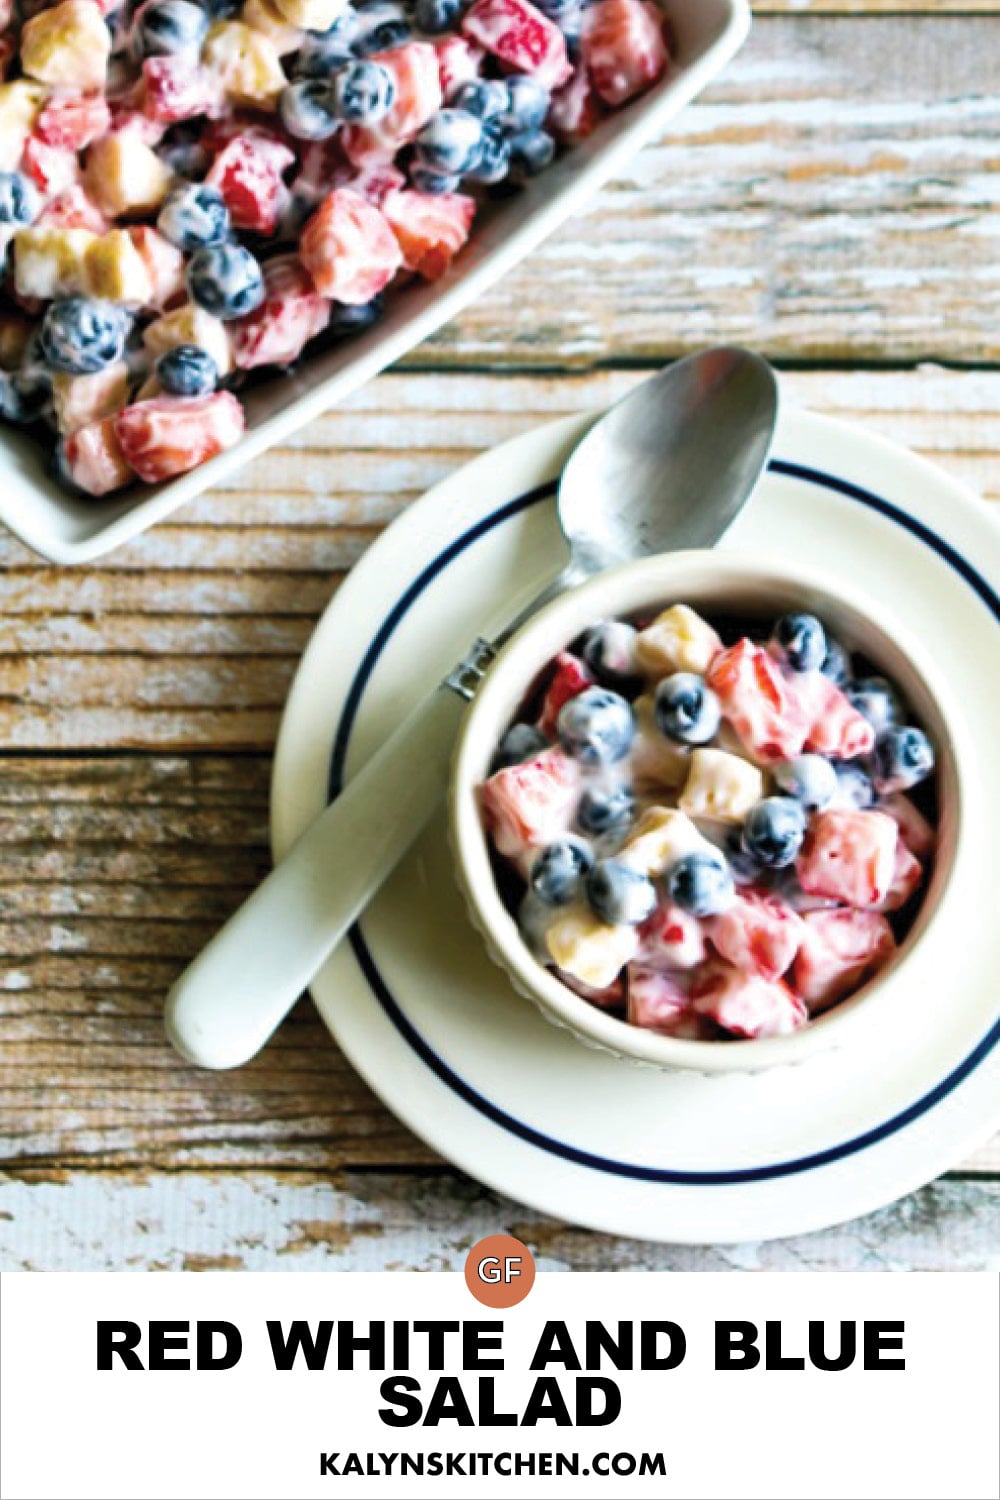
{"x": 436, "y": 1029}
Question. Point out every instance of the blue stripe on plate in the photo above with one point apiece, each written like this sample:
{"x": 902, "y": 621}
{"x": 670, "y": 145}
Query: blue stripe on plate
{"x": 438, "y": 1065}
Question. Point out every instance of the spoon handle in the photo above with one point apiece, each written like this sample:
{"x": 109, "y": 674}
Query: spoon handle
{"x": 231, "y": 998}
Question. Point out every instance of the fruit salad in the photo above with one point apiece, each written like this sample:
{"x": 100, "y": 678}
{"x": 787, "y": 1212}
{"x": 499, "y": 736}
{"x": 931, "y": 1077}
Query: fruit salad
{"x": 194, "y": 192}
{"x": 707, "y": 829}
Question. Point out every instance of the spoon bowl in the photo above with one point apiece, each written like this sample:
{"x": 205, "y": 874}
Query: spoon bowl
{"x": 671, "y": 465}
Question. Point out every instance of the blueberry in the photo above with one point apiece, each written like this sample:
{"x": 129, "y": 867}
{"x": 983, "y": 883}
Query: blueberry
{"x": 774, "y": 830}
{"x": 521, "y": 742}
{"x": 81, "y": 335}
{"x": 618, "y": 893}
{"x": 226, "y": 280}
{"x": 702, "y": 884}
{"x": 801, "y": 640}
{"x": 596, "y": 726}
{"x": 193, "y": 215}
{"x": 855, "y": 788}
{"x": 836, "y": 663}
{"x": 344, "y": 30}
{"x": 449, "y": 142}
{"x": 437, "y": 16}
{"x": 184, "y": 157}
{"x": 903, "y": 756}
{"x": 19, "y": 200}
{"x": 527, "y": 105}
{"x": 533, "y": 921}
{"x": 744, "y": 869}
{"x": 531, "y": 151}
{"x": 346, "y": 319}
{"x": 686, "y": 709}
{"x": 876, "y": 700}
{"x": 562, "y": 12}
{"x": 558, "y": 872}
{"x": 482, "y": 97}
{"x": 810, "y": 779}
{"x": 219, "y": 10}
{"x": 609, "y": 811}
{"x": 323, "y": 53}
{"x": 187, "y": 370}
{"x": 307, "y": 109}
{"x": 165, "y": 26}
{"x": 432, "y": 182}
{"x": 381, "y": 26}
{"x": 493, "y": 162}
{"x": 24, "y": 396}
{"x": 609, "y": 649}
{"x": 363, "y": 93}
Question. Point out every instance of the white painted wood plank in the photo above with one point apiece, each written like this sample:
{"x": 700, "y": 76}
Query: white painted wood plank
{"x": 394, "y": 1222}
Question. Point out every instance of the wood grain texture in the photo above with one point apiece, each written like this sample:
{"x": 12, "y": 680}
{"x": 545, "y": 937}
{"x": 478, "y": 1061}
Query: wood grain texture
{"x": 832, "y": 200}
{"x": 426, "y": 1222}
{"x": 100, "y": 657}
{"x": 874, "y": 7}
{"x": 113, "y": 873}
{"x": 832, "y": 197}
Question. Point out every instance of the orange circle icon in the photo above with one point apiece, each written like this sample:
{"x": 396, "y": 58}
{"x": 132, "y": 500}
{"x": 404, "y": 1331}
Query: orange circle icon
{"x": 500, "y": 1271}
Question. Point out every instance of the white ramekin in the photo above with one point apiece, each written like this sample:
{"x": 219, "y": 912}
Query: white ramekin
{"x": 712, "y": 582}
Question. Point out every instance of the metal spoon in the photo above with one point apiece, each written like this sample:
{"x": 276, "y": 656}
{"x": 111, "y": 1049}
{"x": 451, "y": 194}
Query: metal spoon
{"x": 668, "y": 467}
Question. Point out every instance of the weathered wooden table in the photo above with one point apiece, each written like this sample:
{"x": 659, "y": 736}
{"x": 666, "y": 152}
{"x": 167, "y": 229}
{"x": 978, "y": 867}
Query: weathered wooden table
{"x": 833, "y": 201}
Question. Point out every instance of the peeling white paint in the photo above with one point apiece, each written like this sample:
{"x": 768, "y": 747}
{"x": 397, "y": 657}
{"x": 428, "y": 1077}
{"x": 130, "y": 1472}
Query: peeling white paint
{"x": 393, "y": 1221}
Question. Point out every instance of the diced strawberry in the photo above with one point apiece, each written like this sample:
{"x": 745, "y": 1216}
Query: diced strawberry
{"x": 623, "y": 48}
{"x": 164, "y": 263}
{"x": 522, "y": 38}
{"x": 673, "y": 939}
{"x": 836, "y": 728}
{"x": 322, "y": 166}
{"x": 612, "y": 998}
{"x": 73, "y": 209}
{"x": 418, "y": 96}
{"x": 349, "y": 248}
{"x": 94, "y": 459}
{"x": 907, "y": 877}
{"x": 759, "y": 933}
{"x": 839, "y": 949}
{"x": 72, "y": 121}
{"x": 168, "y": 435}
{"x": 174, "y": 88}
{"x": 416, "y": 74}
{"x": 242, "y": 124}
{"x": 431, "y": 228}
{"x": 576, "y": 109}
{"x": 532, "y": 803}
{"x": 247, "y": 173}
{"x": 745, "y": 1004}
{"x": 570, "y": 677}
{"x": 914, "y": 830}
{"x": 127, "y": 118}
{"x": 366, "y": 147}
{"x": 53, "y": 169}
{"x": 376, "y": 182}
{"x": 758, "y": 701}
{"x": 458, "y": 62}
{"x": 660, "y": 1002}
{"x": 848, "y": 856}
{"x": 291, "y": 314}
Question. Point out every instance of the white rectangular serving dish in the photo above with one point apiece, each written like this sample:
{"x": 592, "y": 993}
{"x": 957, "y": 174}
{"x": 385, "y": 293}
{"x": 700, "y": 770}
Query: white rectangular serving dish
{"x": 66, "y": 529}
